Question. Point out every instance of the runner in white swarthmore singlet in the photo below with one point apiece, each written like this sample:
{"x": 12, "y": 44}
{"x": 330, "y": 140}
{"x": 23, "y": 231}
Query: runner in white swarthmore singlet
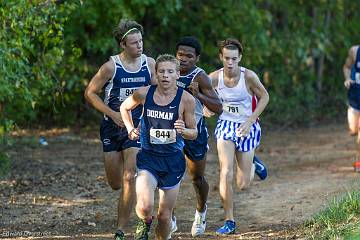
{"x": 237, "y": 108}
{"x": 237, "y": 131}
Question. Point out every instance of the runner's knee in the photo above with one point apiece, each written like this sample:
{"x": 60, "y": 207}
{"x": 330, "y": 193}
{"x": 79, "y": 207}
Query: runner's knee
{"x": 164, "y": 216}
{"x": 144, "y": 208}
{"x": 112, "y": 170}
{"x": 198, "y": 179}
{"x": 353, "y": 131}
{"x": 227, "y": 174}
{"x": 242, "y": 182}
{"x": 129, "y": 176}
{"x": 115, "y": 185}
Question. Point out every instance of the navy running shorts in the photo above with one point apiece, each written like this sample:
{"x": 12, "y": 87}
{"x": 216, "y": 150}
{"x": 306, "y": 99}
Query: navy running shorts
{"x": 354, "y": 96}
{"x": 168, "y": 170}
{"x": 115, "y": 138}
{"x": 196, "y": 149}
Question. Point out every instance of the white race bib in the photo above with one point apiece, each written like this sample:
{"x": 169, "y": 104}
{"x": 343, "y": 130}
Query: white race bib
{"x": 357, "y": 78}
{"x": 234, "y": 109}
{"x": 126, "y": 92}
{"x": 162, "y": 136}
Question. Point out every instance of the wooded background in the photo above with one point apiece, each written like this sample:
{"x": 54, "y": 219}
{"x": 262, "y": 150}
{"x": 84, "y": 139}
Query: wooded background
{"x": 49, "y": 50}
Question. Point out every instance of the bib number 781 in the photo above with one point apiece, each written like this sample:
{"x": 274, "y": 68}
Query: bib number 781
{"x": 233, "y": 109}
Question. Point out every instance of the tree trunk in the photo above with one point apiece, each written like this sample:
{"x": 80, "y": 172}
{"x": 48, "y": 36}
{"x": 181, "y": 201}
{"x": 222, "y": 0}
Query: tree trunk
{"x": 320, "y": 68}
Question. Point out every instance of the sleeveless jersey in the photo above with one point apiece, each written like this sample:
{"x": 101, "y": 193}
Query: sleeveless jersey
{"x": 124, "y": 82}
{"x": 157, "y": 133}
{"x": 237, "y": 102}
{"x": 184, "y": 82}
{"x": 355, "y": 69}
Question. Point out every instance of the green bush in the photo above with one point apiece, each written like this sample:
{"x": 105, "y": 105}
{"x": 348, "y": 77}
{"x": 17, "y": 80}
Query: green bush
{"x": 51, "y": 49}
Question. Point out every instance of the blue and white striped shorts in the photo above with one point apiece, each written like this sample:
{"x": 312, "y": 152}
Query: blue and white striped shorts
{"x": 226, "y": 130}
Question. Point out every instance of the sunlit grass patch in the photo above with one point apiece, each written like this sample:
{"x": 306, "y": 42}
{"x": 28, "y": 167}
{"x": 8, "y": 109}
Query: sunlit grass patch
{"x": 340, "y": 220}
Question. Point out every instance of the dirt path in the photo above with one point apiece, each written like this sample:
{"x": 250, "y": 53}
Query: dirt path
{"x": 59, "y": 191}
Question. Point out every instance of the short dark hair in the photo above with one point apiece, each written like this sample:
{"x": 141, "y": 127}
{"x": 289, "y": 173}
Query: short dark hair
{"x": 232, "y": 44}
{"x": 190, "y": 41}
{"x": 125, "y": 27}
{"x": 167, "y": 58}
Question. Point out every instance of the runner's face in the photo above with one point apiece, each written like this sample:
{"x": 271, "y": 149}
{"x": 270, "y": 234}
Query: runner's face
{"x": 134, "y": 45}
{"x": 230, "y": 59}
{"x": 167, "y": 74}
{"x": 187, "y": 58}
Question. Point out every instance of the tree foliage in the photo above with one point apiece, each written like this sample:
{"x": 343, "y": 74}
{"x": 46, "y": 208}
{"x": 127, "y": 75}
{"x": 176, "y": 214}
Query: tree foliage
{"x": 31, "y": 46}
{"x": 51, "y": 49}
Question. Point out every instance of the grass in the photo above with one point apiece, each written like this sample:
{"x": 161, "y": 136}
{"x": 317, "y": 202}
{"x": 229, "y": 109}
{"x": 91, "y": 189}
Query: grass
{"x": 4, "y": 163}
{"x": 340, "y": 220}
{"x": 6, "y": 142}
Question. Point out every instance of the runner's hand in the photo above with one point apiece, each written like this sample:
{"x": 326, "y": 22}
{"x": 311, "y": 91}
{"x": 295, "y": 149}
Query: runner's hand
{"x": 194, "y": 88}
{"x": 244, "y": 129}
{"x": 116, "y": 117}
{"x": 134, "y": 134}
{"x": 348, "y": 82}
{"x": 179, "y": 126}
{"x": 207, "y": 112}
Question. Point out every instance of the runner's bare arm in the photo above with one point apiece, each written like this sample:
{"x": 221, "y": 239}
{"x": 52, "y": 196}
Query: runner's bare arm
{"x": 255, "y": 86}
{"x": 151, "y": 63}
{"x": 207, "y": 94}
{"x": 92, "y": 91}
{"x": 129, "y": 104}
{"x": 186, "y": 124}
{"x": 350, "y": 60}
{"x": 214, "y": 78}
{"x": 213, "y": 82}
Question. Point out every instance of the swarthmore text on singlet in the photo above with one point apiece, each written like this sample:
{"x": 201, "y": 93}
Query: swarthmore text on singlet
{"x": 160, "y": 114}
{"x": 135, "y": 79}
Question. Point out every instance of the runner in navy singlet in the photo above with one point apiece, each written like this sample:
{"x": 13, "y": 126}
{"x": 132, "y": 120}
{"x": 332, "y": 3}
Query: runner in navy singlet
{"x": 351, "y": 71}
{"x": 195, "y": 80}
{"x": 119, "y": 78}
{"x": 166, "y": 122}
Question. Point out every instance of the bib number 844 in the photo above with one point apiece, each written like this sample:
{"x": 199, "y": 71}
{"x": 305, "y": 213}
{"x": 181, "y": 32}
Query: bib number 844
{"x": 162, "y": 136}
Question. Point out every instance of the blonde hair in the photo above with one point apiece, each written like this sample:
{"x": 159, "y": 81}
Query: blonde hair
{"x": 167, "y": 58}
